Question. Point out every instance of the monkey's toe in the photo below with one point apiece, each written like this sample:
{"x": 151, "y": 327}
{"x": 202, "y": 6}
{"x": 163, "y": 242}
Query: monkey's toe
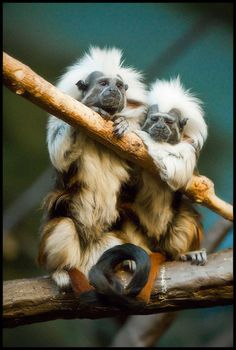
{"x": 198, "y": 257}
{"x": 129, "y": 265}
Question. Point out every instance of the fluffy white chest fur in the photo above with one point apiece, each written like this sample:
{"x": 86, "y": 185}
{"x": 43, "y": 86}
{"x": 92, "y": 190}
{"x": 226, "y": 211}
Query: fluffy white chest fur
{"x": 101, "y": 174}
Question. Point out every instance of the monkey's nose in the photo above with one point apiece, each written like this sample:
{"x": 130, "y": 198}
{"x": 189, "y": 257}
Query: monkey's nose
{"x": 113, "y": 92}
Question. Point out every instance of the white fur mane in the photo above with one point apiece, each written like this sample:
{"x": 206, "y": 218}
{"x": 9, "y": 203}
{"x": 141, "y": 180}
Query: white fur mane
{"x": 109, "y": 61}
{"x": 172, "y": 94}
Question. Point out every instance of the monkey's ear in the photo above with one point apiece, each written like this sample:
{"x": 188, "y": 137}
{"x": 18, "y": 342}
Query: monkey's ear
{"x": 82, "y": 85}
{"x": 126, "y": 87}
{"x": 182, "y": 123}
{"x": 174, "y": 112}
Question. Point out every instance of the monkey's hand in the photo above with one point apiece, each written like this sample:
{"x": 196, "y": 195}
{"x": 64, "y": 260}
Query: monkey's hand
{"x": 101, "y": 111}
{"x": 197, "y": 257}
{"x": 175, "y": 163}
{"x": 120, "y": 127}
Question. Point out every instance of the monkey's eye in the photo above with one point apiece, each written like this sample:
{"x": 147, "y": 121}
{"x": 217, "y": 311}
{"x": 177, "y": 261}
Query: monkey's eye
{"x": 154, "y": 118}
{"x": 169, "y": 122}
{"x": 120, "y": 85}
{"x": 103, "y": 83}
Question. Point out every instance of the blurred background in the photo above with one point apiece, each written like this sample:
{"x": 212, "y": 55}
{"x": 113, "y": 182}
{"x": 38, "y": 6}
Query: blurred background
{"x": 163, "y": 40}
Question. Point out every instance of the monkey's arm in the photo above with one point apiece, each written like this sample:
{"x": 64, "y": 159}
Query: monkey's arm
{"x": 176, "y": 163}
{"x": 61, "y": 138}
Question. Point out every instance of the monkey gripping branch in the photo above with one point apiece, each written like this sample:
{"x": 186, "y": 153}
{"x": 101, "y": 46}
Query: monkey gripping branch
{"x": 24, "y": 82}
{"x": 215, "y": 287}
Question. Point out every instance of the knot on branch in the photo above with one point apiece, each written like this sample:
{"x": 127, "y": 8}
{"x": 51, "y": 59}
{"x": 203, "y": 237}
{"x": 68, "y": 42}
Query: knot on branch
{"x": 200, "y": 188}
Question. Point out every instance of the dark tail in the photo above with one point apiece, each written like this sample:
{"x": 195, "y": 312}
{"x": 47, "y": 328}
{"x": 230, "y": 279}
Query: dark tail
{"x": 108, "y": 287}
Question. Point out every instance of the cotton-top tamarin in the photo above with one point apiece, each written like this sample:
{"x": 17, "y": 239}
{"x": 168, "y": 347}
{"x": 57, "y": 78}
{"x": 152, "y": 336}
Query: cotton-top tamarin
{"x": 80, "y": 211}
{"x": 174, "y": 132}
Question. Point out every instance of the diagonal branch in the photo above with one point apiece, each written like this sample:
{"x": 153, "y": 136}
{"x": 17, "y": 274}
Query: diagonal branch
{"x": 24, "y": 82}
{"x": 181, "y": 286}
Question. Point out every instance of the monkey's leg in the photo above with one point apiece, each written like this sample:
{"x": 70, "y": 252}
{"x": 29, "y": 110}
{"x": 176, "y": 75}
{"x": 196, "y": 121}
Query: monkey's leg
{"x": 156, "y": 260}
{"x": 60, "y": 251}
{"x": 197, "y": 257}
{"x": 183, "y": 240}
{"x": 79, "y": 281}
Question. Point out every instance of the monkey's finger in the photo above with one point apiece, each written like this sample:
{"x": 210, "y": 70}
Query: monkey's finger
{"x": 120, "y": 129}
{"x": 203, "y": 257}
{"x": 120, "y": 120}
{"x": 183, "y": 257}
{"x": 194, "y": 260}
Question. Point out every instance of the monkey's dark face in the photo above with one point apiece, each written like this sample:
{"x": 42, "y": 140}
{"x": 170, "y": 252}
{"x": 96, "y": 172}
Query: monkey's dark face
{"x": 107, "y": 93}
{"x": 164, "y": 127}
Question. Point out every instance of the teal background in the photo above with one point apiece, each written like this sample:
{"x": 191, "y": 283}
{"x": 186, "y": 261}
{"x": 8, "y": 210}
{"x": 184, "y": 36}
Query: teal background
{"x": 163, "y": 40}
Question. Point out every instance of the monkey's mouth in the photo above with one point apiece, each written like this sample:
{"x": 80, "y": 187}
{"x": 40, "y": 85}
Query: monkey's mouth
{"x": 110, "y": 110}
{"x": 110, "y": 102}
{"x": 111, "y": 105}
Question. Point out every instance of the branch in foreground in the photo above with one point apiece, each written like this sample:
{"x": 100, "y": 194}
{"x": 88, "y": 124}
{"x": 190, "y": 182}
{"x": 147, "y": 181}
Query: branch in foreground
{"x": 181, "y": 286}
{"x": 23, "y": 81}
{"x": 144, "y": 331}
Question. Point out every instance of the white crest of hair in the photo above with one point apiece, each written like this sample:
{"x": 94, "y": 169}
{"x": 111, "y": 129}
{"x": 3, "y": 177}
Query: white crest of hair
{"x": 108, "y": 61}
{"x": 172, "y": 94}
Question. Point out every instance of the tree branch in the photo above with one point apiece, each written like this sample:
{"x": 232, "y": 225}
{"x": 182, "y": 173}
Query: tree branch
{"x": 24, "y": 82}
{"x": 144, "y": 331}
{"x": 180, "y": 286}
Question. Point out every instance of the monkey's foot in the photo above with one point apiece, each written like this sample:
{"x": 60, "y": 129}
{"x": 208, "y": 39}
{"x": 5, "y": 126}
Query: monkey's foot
{"x": 197, "y": 257}
{"x": 129, "y": 265}
{"x": 120, "y": 126}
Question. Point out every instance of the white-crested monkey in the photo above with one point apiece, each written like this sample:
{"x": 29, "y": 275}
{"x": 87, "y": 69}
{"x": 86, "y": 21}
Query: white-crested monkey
{"x": 174, "y": 132}
{"x": 80, "y": 211}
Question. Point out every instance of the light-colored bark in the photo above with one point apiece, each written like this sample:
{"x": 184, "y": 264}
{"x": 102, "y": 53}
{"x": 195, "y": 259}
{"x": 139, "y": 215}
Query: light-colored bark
{"x": 24, "y": 82}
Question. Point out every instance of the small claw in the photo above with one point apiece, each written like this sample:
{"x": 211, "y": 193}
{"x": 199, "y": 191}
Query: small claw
{"x": 198, "y": 257}
{"x": 203, "y": 257}
{"x": 120, "y": 126}
{"x": 129, "y": 265}
{"x": 194, "y": 259}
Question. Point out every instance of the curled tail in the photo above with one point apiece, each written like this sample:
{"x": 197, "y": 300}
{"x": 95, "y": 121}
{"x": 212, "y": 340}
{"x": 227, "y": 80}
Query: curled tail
{"x": 108, "y": 286}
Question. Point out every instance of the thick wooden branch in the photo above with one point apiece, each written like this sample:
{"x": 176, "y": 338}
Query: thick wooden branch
{"x": 180, "y": 286}
{"x": 140, "y": 331}
{"x": 24, "y": 82}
